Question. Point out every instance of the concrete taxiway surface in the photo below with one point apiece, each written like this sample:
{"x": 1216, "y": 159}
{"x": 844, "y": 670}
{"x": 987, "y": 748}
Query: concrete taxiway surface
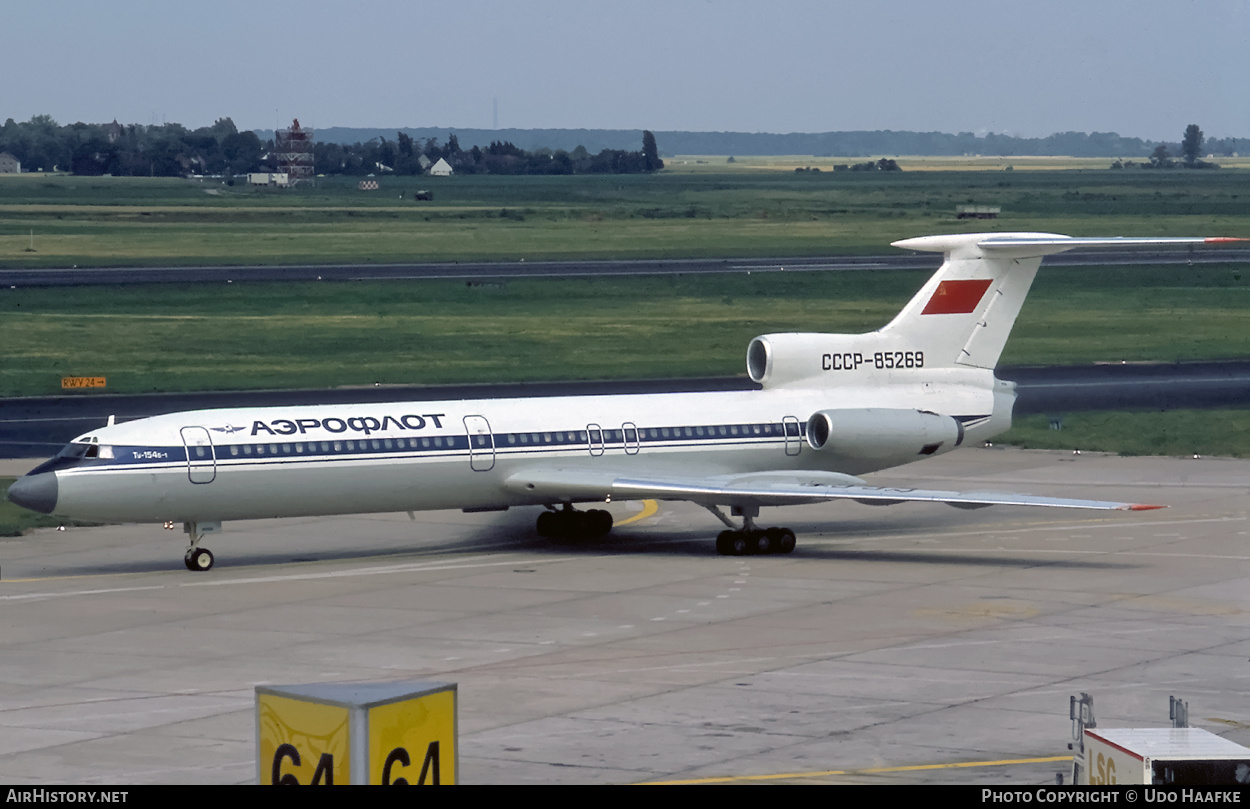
{"x": 916, "y": 643}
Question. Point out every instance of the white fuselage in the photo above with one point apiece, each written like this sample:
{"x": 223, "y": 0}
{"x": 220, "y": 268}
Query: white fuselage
{"x": 230, "y": 464}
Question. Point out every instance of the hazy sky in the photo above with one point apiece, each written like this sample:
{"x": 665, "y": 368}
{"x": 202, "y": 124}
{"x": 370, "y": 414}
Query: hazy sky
{"x": 1142, "y": 67}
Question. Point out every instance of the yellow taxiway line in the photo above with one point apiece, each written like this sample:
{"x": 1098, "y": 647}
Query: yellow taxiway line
{"x": 649, "y": 509}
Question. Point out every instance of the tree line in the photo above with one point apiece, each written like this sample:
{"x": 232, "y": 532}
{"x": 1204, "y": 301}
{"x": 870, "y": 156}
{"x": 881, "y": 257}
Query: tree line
{"x": 1190, "y": 149}
{"x": 172, "y": 150}
{"x": 133, "y": 150}
{"x": 404, "y": 156}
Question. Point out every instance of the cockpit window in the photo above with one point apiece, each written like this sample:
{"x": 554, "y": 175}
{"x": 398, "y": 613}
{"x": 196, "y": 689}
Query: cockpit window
{"x": 77, "y": 450}
{"x": 72, "y": 455}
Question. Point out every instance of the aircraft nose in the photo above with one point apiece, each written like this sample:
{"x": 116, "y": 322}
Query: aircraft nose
{"x": 35, "y": 492}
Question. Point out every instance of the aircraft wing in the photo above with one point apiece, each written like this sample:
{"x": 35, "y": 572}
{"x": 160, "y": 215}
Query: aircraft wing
{"x": 781, "y": 488}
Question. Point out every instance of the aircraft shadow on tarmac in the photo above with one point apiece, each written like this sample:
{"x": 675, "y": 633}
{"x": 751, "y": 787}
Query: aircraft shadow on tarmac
{"x": 515, "y": 533}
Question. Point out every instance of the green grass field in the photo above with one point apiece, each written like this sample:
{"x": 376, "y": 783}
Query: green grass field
{"x": 1222, "y": 433}
{"x": 269, "y": 335}
{"x": 713, "y": 211}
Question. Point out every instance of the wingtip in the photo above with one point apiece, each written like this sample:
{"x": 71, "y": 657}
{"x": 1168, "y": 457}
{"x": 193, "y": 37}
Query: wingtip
{"x": 1223, "y": 240}
{"x": 1142, "y": 507}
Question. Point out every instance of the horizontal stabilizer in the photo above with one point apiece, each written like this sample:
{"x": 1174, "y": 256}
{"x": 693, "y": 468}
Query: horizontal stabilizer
{"x": 964, "y": 314}
{"x": 1026, "y": 245}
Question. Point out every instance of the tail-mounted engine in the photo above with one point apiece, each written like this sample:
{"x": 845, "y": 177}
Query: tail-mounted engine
{"x": 883, "y": 436}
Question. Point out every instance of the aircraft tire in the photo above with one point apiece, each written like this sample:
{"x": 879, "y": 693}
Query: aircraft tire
{"x": 199, "y": 559}
{"x": 548, "y": 524}
{"x": 787, "y": 542}
{"x": 763, "y": 541}
{"x": 732, "y": 543}
{"x": 600, "y": 522}
{"x": 577, "y": 525}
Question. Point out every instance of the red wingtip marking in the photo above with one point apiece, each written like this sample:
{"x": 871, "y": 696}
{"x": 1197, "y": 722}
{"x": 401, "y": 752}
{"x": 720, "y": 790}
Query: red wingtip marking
{"x": 1223, "y": 240}
{"x": 1143, "y": 507}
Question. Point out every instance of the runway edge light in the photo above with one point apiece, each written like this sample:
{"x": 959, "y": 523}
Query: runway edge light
{"x": 396, "y": 733}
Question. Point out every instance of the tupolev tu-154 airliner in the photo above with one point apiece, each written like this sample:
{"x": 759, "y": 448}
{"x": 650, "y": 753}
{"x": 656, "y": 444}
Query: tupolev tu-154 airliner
{"x": 831, "y": 407}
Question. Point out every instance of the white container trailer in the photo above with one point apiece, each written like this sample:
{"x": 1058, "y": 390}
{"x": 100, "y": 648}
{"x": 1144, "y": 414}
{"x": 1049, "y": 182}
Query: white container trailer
{"x": 1181, "y": 756}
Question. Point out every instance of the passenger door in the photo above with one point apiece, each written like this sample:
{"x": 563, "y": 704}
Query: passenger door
{"x": 201, "y": 455}
{"x": 481, "y": 443}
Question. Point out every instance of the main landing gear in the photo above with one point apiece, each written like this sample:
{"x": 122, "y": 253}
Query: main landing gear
{"x": 750, "y": 539}
{"x": 198, "y": 558}
{"x": 755, "y": 540}
{"x": 569, "y": 523}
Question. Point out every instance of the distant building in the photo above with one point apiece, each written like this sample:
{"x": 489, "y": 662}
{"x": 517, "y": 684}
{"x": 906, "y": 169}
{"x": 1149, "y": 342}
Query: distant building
{"x": 977, "y": 211}
{"x": 278, "y": 179}
{"x": 440, "y": 169}
{"x": 9, "y": 164}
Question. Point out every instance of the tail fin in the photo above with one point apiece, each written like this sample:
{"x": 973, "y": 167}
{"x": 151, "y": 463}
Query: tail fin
{"x": 964, "y": 313}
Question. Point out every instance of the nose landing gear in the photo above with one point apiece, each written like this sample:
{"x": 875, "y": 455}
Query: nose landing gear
{"x": 197, "y": 558}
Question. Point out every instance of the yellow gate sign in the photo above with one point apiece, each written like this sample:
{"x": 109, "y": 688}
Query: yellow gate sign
{"x": 302, "y": 741}
{"x": 401, "y": 733}
{"x": 413, "y": 741}
{"x": 68, "y": 382}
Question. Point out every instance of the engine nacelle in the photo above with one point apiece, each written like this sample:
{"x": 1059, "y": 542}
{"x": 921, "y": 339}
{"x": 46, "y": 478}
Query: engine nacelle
{"x": 883, "y": 435}
{"x": 826, "y": 360}
{"x": 774, "y": 360}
